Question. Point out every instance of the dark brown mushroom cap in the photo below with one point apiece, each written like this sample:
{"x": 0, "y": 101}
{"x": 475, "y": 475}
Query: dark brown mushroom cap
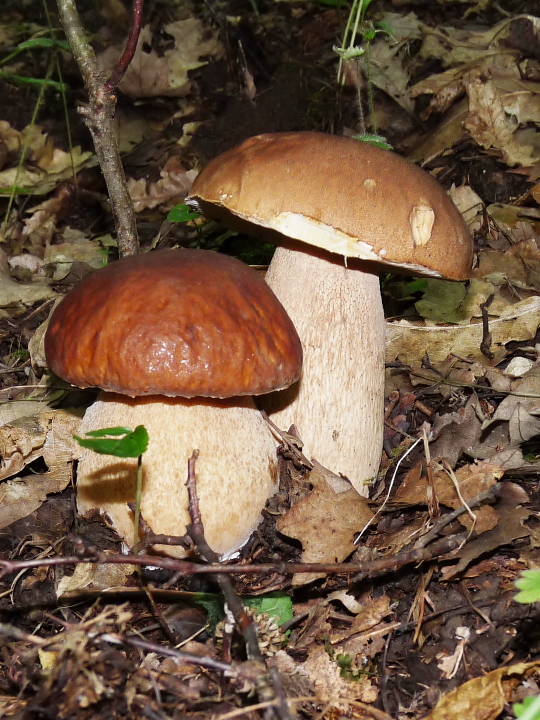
{"x": 187, "y": 323}
{"x": 347, "y": 197}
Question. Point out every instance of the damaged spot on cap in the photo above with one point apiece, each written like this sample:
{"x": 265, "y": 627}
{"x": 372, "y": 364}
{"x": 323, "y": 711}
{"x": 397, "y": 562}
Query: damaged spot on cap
{"x": 370, "y": 184}
{"x": 421, "y": 220}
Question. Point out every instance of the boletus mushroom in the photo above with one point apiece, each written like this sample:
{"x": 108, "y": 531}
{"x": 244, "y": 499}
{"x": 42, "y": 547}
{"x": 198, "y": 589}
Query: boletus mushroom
{"x": 179, "y": 341}
{"x": 339, "y": 209}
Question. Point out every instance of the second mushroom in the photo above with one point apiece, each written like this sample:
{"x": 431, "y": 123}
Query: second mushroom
{"x": 338, "y": 209}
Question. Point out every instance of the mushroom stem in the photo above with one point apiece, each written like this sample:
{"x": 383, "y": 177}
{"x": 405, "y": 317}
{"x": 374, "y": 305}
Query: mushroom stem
{"x": 338, "y": 404}
{"x": 236, "y": 469}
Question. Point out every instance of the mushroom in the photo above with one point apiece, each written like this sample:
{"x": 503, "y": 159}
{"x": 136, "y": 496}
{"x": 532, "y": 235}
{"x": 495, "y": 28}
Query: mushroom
{"x": 339, "y": 209}
{"x": 178, "y": 340}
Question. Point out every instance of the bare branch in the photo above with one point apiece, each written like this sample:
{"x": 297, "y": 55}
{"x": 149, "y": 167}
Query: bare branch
{"x": 98, "y": 115}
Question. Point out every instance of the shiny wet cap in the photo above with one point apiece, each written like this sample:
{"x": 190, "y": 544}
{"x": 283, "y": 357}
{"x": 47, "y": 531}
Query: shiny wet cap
{"x": 190, "y": 323}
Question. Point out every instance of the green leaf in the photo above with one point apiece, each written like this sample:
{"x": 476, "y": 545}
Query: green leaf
{"x": 348, "y": 53}
{"x": 213, "y": 604}
{"x": 368, "y": 34}
{"x": 344, "y": 662}
{"x": 529, "y": 585}
{"x": 277, "y": 605}
{"x": 385, "y": 27}
{"x": 442, "y": 301}
{"x": 373, "y": 139}
{"x": 105, "y": 432}
{"x": 529, "y": 709}
{"x": 117, "y": 441}
{"x": 181, "y": 214}
{"x": 43, "y": 42}
{"x": 23, "y": 80}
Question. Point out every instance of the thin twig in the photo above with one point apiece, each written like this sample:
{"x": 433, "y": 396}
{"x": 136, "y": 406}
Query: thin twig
{"x": 388, "y": 494}
{"x": 485, "y": 345}
{"x": 489, "y": 495}
{"x": 148, "y": 538}
{"x": 129, "y": 51}
{"x": 292, "y": 444}
{"x": 99, "y": 118}
{"x": 371, "y": 568}
{"x": 118, "y": 639}
{"x": 434, "y": 381}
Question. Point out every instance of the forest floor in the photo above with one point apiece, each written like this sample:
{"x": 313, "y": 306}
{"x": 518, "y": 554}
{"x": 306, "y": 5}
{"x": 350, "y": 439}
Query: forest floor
{"x": 424, "y": 622}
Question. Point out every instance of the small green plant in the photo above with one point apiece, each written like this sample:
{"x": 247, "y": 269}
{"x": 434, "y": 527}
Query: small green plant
{"x": 35, "y": 43}
{"x": 124, "y": 443}
{"x": 53, "y": 47}
{"x": 117, "y": 441}
{"x": 349, "y": 668}
{"x": 277, "y": 605}
{"x": 529, "y": 709}
{"x": 17, "y": 356}
{"x": 377, "y": 140}
{"x": 229, "y": 241}
{"x": 358, "y": 36}
{"x": 181, "y": 214}
{"x": 528, "y": 584}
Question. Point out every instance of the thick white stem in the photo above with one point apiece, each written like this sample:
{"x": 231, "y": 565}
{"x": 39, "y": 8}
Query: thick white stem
{"x": 338, "y": 404}
{"x": 236, "y": 469}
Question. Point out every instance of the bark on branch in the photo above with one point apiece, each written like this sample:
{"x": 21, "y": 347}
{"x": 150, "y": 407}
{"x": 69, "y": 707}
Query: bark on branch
{"x": 98, "y": 115}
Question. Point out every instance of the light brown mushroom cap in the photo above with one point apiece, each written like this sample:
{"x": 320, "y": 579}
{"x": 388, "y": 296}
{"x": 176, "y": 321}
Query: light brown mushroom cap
{"x": 342, "y": 195}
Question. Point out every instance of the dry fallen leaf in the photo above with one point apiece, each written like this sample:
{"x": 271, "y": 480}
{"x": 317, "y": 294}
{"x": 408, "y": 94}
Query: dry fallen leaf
{"x": 61, "y": 256}
{"x": 409, "y": 342}
{"x": 511, "y": 526}
{"x": 491, "y": 126}
{"x": 447, "y": 134}
{"x": 483, "y": 697}
{"x": 385, "y": 67}
{"x": 20, "y": 444}
{"x": 456, "y": 432}
{"x": 49, "y": 435}
{"x": 469, "y": 204}
{"x": 46, "y": 166}
{"x": 455, "y": 46}
{"x": 41, "y": 221}
{"x": 393, "y": 541}
{"x": 500, "y": 101}
{"x": 151, "y": 73}
{"x": 472, "y": 480}
{"x": 172, "y": 187}
{"x": 365, "y": 637}
{"x": 528, "y": 384}
{"x": 519, "y": 265}
{"x": 516, "y": 223}
{"x": 92, "y": 576}
{"x": 17, "y": 295}
{"x": 325, "y": 521}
